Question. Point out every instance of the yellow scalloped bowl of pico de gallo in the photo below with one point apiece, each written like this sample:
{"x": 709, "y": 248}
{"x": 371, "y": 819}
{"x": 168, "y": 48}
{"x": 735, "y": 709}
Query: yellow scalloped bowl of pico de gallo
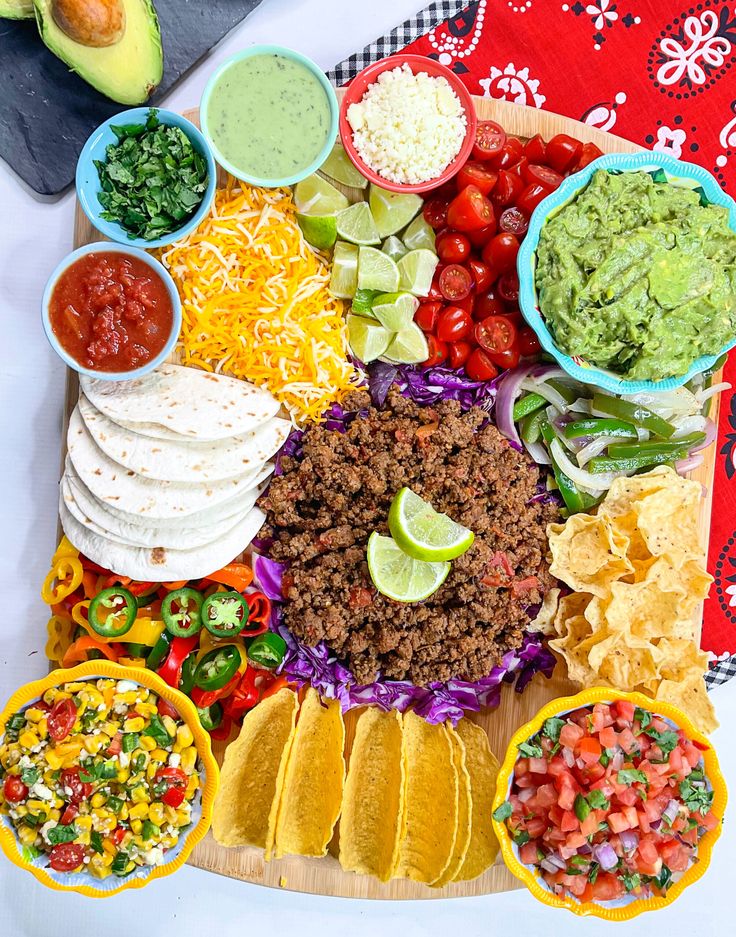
{"x": 609, "y": 804}
{"x": 107, "y": 778}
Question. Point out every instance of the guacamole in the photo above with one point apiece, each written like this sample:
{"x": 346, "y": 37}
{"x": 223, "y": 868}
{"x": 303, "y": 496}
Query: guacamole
{"x": 637, "y": 276}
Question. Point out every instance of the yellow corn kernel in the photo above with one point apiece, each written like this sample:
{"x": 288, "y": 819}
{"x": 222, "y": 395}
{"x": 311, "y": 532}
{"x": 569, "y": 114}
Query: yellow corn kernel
{"x": 192, "y": 785}
{"x": 139, "y": 795}
{"x": 26, "y": 834}
{"x": 159, "y": 754}
{"x": 136, "y": 724}
{"x": 56, "y": 802}
{"x": 84, "y": 823}
{"x": 50, "y": 695}
{"x": 54, "y": 813}
{"x": 97, "y": 867}
{"x": 83, "y": 838}
{"x": 156, "y": 813}
{"x": 35, "y": 805}
{"x": 21, "y": 810}
{"x": 98, "y": 799}
{"x": 145, "y": 709}
{"x": 136, "y": 825}
{"x": 188, "y": 759}
{"x": 122, "y": 776}
{"x": 169, "y": 724}
{"x": 138, "y": 812}
{"x": 129, "y": 697}
{"x": 34, "y": 715}
{"x": 54, "y": 761}
{"x": 170, "y": 814}
{"x": 168, "y": 841}
{"x": 93, "y": 743}
{"x": 92, "y": 695}
{"x": 184, "y": 736}
{"x": 42, "y": 728}
{"x": 70, "y": 688}
{"x": 183, "y": 816}
{"x": 83, "y": 704}
{"x": 151, "y": 770}
{"x": 110, "y": 728}
{"x": 28, "y": 739}
{"x": 123, "y": 813}
{"x": 147, "y": 743}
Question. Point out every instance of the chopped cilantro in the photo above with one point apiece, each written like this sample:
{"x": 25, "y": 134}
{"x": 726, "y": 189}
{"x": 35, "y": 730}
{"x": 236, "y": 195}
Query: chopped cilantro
{"x": 503, "y": 812}
{"x": 643, "y": 717}
{"x": 631, "y": 880}
{"x": 593, "y": 874}
{"x": 29, "y": 776}
{"x": 520, "y": 837}
{"x": 696, "y": 799}
{"x": 631, "y": 776}
{"x": 667, "y": 741}
{"x": 552, "y": 728}
{"x": 62, "y": 834}
{"x": 664, "y": 878}
{"x": 598, "y": 800}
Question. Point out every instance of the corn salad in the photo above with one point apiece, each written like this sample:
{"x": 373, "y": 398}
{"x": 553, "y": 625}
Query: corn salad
{"x": 98, "y": 775}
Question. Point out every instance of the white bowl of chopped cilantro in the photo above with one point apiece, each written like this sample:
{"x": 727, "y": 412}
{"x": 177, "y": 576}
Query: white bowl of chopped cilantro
{"x": 146, "y": 177}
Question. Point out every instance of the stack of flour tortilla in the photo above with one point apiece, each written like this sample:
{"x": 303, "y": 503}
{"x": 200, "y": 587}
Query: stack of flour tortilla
{"x": 163, "y": 472}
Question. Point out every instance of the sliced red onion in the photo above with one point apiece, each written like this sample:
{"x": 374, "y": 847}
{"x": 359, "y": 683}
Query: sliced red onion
{"x": 582, "y": 478}
{"x": 556, "y": 861}
{"x": 629, "y": 840}
{"x": 605, "y": 856}
{"x": 579, "y": 763}
{"x": 593, "y": 448}
{"x": 544, "y": 390}
{"x": 670, "y": 812}
{"x": 548, "y": 866}
{"x": 567, "y": 756}
{"x": 711, "y": 432}
{"x": 538, "y": 452}
{"x": 506, "y": 394}
{"x": 683, "y": 466}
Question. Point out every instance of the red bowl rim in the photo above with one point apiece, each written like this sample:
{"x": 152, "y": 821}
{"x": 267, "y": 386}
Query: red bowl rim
{"x": 417, "y": 63}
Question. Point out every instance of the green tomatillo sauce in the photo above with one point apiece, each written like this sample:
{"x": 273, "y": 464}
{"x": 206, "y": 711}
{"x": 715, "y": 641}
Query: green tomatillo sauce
{"x": 269, "y": 116}
{"x": 638, "y": 276}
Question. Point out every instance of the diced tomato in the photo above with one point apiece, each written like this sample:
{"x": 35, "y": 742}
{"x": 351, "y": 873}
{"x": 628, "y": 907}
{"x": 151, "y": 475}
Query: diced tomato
{"x": 521, "y": 767}
{"x": 70, "y": 812}
{"x": 618, "y": 822}
{"x": 546, "y": 796}
{"x": 536, "y": 826}
{"x": 678, "y": 858}
{"x": 538, "y": 765}
{"x": 528, "y": 853}
{"x": 589, "y": 750}
{"x": 589, "y": 825}
{"x": 643, "y": 821}
{"x": 627, "y": 740}
{"x": 570, "y": 735}
{"x": 608, "y": 737}
{"x": 628, "y": 797}
{"x": 624, "y": 712}
{"x": 606, "y": 887}
{"x": 710, "y": 821}
{"x": 569, "y": 822}
{"x": 526, "y": 780}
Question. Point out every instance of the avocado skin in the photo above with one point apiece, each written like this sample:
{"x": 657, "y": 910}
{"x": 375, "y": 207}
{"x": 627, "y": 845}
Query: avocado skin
{"x": 128, "y": 71}
{"x": 16, "y": 9}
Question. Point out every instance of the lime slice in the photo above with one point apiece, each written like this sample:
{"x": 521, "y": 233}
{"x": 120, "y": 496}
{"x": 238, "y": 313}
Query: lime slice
{"x": 338, "y": 167}
{"x": 416, "y": 270}
{"x": 315, "y": 196}
{"x": 419, "y": 234}
{"x": 368, "y": 338}
{"x": 363, "y": 302}
{"x": 395, "y": 310}
{"x": 392, "y": 210}
{"x": 399, "y": 576}
{"x": 423, "y": 533}
{"x": 355, "y": 224}
{"x": 376, "y": 271}
{"x": 409, "y": 346}
{"x": 319, "y": 230}
{"x": 393, "y": 247}
{"x": 344, "y": 279}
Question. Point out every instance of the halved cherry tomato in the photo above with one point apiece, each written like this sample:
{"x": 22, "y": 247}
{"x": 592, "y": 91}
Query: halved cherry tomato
{"x": 470, "y": 210}
{"x": 531, "y": 197}
{"x": 118, "y": 835}
{"x": 490, "y": 139}
{"x": 435, "y": 211}
{"x": 482, "y": 235}
{"x": 542, "y": 175}
{"x": 452, "y": 247}
{"x": 481, "y": 273}
{"x": 435, "y": 294}
{"x": 535, "y": 149}
{"x": 459, "y": 353}
{"x": 175, "y": 782}
{"x": 455, "y": 282}
{"x": 507, "y": 359}
{"x": 165, "y": 708}
{"x": 426, "y": 316}
{"x": 65, "y": 857}
{"x": 70, "y": 812}
{"x": 488, "y": 304}
{"x": 500, "y": 252}
{"x": 479, "y": 366}
{"x": 528, "y": 342}
{"x": 70, "y": 780}
{"x": 495, "y": 334}
{"x": 520, "y": 168}
{"x": 14, "y": 789}
{"x": 437, "y": 352}
{"x": 589, "y": 153}
{"x": 467, "y": 304}
{"x": 454, "y": 324}
{"x": 507, "y": 189}
{"x": 514, "y": 221}
{"x": 563, "y": 152}
{"x": 508, "y": 287}
{"x": 477, "y": 174}
{"x": 61, "y": 719}
{"x": 510, "y": 155}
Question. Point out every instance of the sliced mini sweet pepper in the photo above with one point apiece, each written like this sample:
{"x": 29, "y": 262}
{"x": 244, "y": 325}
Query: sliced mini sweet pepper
{"x": 236, "y": 575}
{"x": 259, "y": 614}
{"x": 64, "y": 577}
{"x": 205, "y": 698}
{"x": 180, "y": 649}
{"x": 79, "y": 650}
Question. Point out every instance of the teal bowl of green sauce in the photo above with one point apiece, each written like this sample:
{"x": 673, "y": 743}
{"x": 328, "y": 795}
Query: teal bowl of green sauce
{"x": 270, "y": 116}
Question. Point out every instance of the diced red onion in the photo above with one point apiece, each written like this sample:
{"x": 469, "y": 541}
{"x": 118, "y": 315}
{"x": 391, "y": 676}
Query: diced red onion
{"x": 629, "y": 840}
{"x": 548, "y": 866}
{"x": 605, "y": 856}
{"x": 580, "y": 763}
{"x": 556, "y": 861}
{"x": 506, "y": 394}
{"x": 526, "y": 794}
{"x": 567, "y": 756}
{"x": 670, "y": 811}
{"x": 617, "y": 762}
{"x": 690, "y": 462}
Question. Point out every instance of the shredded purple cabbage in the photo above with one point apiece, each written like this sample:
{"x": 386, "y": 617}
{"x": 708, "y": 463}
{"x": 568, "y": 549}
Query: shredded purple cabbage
{"x": 429, "y": 385}
{"x": 268, "y": 574}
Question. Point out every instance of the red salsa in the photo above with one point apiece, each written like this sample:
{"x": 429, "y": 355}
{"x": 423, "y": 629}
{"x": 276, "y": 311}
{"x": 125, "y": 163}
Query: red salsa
{"x": 111, "y": 312}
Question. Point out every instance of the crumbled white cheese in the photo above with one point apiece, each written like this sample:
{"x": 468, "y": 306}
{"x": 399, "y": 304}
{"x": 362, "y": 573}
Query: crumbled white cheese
{"x": 154, "y": 856}
{"x": 408, "y": 128}
{"x": 175, "y": 759}
{"x": 124, "y": 759}
{"x": 41, "y": 791}
{"x": 49, "y": 825}
{"x": 126, "y": 686}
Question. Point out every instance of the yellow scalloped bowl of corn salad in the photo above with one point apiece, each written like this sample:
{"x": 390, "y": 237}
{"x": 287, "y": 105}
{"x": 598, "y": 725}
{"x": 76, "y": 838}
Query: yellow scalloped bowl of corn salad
{"x": 108, "y": 783}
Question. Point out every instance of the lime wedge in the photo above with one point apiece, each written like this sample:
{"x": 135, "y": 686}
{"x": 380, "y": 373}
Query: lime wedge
{"x": 423, "y": 533}
{"x": 409, "y": 346}
{"x": 344, "y": 279}
{"x": 338, "y": 167}
{"x": 363, "y": 302}
{"x": 392, "y": 210}
{"x": 395, "y": 310}
{"x": 368, "y": 339}
{"x": 355, "y": 224}
{"x": 398, "y": 576}
{"x": 315, "y": 196}
{"x": 419, "y": 234}
{"x": 416, "y": 270}
{"x": 393, "y": 247}
{"x": 376, "y": 271}
{"x": 319, "y": 230}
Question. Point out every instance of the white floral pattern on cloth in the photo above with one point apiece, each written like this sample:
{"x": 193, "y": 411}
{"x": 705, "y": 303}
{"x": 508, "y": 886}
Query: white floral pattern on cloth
{"x": 459, "y": 36}
{"x": 670, "y": 141}
{"x": 512, "y": 85}
{"x": 604, "y": 14}
{"x": 604, "y": 114}
{"x": 698, "y": 48}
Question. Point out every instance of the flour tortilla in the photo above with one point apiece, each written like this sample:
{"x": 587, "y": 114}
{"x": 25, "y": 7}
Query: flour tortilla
{"x": 133, "y": 493}
{"x": 195, "y": 403}
{"x": 158, "y": 564}
{"x": 184, "y": 460}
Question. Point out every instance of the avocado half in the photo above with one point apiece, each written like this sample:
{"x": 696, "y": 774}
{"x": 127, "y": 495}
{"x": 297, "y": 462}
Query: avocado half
{"x": 126, "y": 72}
{"x": 16, "y": 9}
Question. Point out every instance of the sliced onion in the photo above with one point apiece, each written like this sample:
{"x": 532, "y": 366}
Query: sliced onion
{"x": 526, "y": 794}
{"x": 592, "y": 449}
{"x": 605, "y": 856}
{"x": 688, "y": 424}
{"x": 581, "y": 405}
{"x": 548, "y": 866}
{"x": 549, "y": 393}
{"x": 688, "y": 464}
{"x": 617, "y": 762}
{"x": 556, "y": 861}
{"x": 711, "y": 433}
{"x": 671, "y": 811}
{"x": 581, "y": 477}
{"x": 545, "y": 372}
{"x": 629, "y": 840}
{"x": 538, "y": 452}
{"x": 665, "y": 403}
{"x": 506, "y": 394}
{"x": 567, "y": 756}
{"x": 711, "y": 391}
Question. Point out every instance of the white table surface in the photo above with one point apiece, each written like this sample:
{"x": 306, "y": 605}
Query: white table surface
{"x": 33, "y": 238}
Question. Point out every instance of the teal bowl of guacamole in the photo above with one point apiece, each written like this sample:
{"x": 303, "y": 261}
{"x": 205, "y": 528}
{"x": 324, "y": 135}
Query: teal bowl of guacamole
{"x": 270, "y": 116}
{"x": 628, "y": 272}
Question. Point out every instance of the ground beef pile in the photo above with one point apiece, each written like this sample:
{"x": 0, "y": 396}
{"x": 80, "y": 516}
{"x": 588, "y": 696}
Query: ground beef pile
{"x": 325, "y": 505}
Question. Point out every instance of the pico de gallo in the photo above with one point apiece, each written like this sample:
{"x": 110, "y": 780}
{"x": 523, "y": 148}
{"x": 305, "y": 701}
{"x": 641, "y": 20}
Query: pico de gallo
{"x": 608, "y": 801}
{"x": 209, "y": 638}
{"x": 99, "y": 776}
{"x": 471, "y": 317}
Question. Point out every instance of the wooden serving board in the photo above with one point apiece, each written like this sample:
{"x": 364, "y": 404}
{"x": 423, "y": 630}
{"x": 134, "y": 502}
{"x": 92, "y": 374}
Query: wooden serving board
{"x": 325, "y": 876}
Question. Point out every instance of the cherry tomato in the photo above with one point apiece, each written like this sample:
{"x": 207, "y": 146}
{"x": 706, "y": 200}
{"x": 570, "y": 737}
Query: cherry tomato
{"x": 435, "y": 294}
{"x": 494, "y": 334}
{"x": 535, "y": 149}
{"x": 452, "y": 247}
{"x": 455, "y": 282}
{"x": 435, "y": 211}
{"x": 542, "y": 175}
{"x": 66, "y": 857}
{"x": 490, "y": 139}
{"x": 14, "y": 789}
{"x": 468, "y": 304}
{"x": 437, "y": 352}
{"x": 70, "y": 812}
{"x": 500, "y": 252}
{"x": 477, "y": 174}
{"x": 470, "y": 210}
{"x": 459, "y": 353}
{"x": 479, "y": 366}
{"x": 510, "y": 154}
{"x": 426, "y": 316}
{"x": 481, "y": 273}
{"x": 61, "y": 719}
{"x": 176, "y": 784}
{"x": 488, "y": 304}
{"x": 506, "y": 359}
{"x": 528, "y": 342}
{"x": 507, "y": 189}
{"x": 563, "y": 152}
{"x": 165, "y": 708}
{"x": 514, "y": 221}
{"x": 454, "y": 324}
{"x": 508, "y": 287}
{"x": 531, "y": 197}
{"x": 482, "y": 235}
{"x": 590, "y": 152}
{"x": 118, "y": 835}
{"x": 71, "y": 781}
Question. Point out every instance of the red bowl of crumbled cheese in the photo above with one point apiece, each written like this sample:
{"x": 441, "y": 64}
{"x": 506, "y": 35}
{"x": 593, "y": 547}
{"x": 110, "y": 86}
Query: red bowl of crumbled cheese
{"x": 407, "y": 123}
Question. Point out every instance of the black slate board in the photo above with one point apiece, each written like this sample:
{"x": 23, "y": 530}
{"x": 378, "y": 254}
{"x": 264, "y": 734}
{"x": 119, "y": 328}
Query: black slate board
{"x": 47, "y": 112}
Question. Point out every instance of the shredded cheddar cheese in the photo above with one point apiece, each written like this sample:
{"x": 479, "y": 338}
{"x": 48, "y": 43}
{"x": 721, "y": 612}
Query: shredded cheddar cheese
{"x": 255, "y": 303}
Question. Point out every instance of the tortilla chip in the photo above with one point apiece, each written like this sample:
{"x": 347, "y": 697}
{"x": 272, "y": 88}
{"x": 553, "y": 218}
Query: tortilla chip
{"x": 370, "y": 825}
{"x": 430, "y": 818}
{"x": 691, "y": 696}
{"x": 587, "y": 554}
{"x": 643, "y": 610}
{"x": 252, "y": 772}
{"x": 545, "y": 617}
{"x": 312, "y": 791}
{"x": 626, "y": 664}
{"x": 624, "y": 492}
{"x": 668, "y": 521}
{"x": 482, "y": 767}
{"x": 464, "y": 810}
